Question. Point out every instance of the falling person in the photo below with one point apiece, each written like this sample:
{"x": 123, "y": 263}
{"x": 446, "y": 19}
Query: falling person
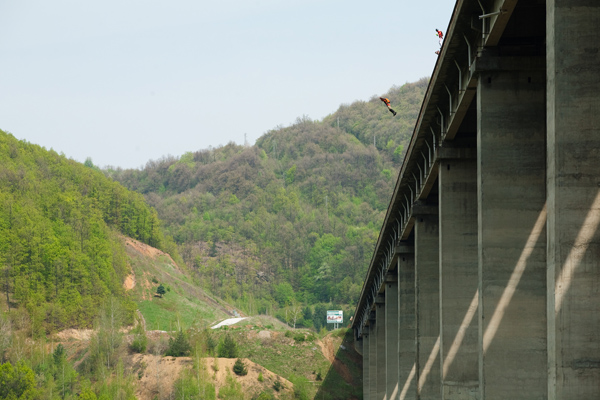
{"x": 387, "y": 103}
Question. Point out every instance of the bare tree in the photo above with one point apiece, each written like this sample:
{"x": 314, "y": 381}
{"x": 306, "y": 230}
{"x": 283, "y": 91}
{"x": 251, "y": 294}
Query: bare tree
{"x": 5, "y": 336}
{"x": 294, "y": 312}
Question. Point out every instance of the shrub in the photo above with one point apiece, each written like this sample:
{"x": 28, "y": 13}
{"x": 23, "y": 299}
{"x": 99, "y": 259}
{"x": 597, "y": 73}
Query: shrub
{"x": 140, "y": 343}
{"x": 299, "y": 337}
{"x": 260, "y": 377}
{"x": 264, "y": 396}
{"x": 232, "y": 390}
{"x": 301, "y": 387}
{"x": 240, "y": 368}
{"x": 341, "y": 332}
{"x": 179, "y": 346}
{"x": 289, "y": 334}
{"x": 211, "y": 344}
{"x": 278, "y": 385}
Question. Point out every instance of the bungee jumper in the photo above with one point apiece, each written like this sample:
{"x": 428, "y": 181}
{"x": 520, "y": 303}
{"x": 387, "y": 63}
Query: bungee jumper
{"x": 386, "y": 101}
{"x": 440, "y": 35}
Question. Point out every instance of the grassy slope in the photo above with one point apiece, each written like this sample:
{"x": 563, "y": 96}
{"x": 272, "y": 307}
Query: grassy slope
{"x": 339, "y": 369}
{"x": 184, "y": 302}
{"x": 279, "y": 354}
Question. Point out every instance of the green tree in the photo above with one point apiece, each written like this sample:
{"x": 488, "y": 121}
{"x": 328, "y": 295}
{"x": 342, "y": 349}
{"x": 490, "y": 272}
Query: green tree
{"x": 228, "y": 347}
{"x": 320, "y": 316}
{"x": 180, "y": 346}
{"x": 160, "y": 290}
{"x": 17, "y": 382}
{"x": 283, "y": 293}
{"x": 86, "y": 391}
{"x": 240, "y": 367}
{"x": 139, "y": 343}
{"x": 290, "y": 175}
{"x": 398, "y": 153}
{"x": 59, "y": 355}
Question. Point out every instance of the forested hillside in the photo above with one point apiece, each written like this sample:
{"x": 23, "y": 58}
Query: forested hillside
{"x": 292, "y": 220}
{"x": 285, "y": 227}
{"x": 59, "y": 251}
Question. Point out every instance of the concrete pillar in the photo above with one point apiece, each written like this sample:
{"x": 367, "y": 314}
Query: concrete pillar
{"x": 380, "y": 328}
{"x": 573, "y": 154}
{"x": 365, "y": 364}
{"x": 458, "y": 278}
{"x": 406, "y": 329}
{"x": 391, "y": 335}
{"x": 373, "y": 358}
{"x": 511, "y": 130}
{"x": 427, "y": 303}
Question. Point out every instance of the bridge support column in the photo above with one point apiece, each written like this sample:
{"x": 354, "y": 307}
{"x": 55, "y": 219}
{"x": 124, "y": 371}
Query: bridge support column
{"x": 573, "y": 125}
{"x": 380, "y": 328}
{"x": 406, "y": 330}
{"x": 427, "y": 302}
{"x": 373, "y": 358}
{"x": 365, "y": 363}
{"x": 391, "y": 335}
{"x": 458, "y": 278}
{"x": 511, "y": 122}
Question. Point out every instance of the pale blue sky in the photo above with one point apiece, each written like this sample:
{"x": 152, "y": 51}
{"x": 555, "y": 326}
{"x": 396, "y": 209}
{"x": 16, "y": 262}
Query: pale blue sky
{"x": 127, "y": 81}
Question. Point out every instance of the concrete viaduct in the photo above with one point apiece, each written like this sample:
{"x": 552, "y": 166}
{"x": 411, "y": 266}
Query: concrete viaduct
{"x": 485, "y": 279}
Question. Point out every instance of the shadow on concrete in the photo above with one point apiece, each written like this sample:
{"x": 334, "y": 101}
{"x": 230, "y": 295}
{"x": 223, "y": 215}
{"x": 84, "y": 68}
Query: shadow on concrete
{"x": 343, "y": 380}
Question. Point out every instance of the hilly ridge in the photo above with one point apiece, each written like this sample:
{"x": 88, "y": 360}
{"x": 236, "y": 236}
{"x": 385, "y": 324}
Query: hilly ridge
{"x": 284, "y": 228}
{"x": 59, "y": 224}
{"x": 292, "y": 219}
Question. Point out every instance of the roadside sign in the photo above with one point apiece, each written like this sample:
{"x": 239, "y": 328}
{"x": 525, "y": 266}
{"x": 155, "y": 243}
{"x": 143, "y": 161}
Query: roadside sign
{"x": 335, "y": 317}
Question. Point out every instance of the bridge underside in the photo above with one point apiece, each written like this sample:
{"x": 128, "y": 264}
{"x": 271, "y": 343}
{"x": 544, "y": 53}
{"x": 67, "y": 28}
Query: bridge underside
{"x": 485, "y": 282}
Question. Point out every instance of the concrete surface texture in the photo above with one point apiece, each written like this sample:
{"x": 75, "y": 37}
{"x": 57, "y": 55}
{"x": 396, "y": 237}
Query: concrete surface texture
{"x": 492, "y": 286}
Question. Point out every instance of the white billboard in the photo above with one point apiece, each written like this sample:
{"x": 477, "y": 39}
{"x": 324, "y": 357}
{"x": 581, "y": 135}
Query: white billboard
{"x": 335, "y": 317}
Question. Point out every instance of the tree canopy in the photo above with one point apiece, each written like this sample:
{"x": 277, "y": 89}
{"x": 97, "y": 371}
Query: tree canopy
{"x": 295, "y": 216}
{"x": 60, "y": 221}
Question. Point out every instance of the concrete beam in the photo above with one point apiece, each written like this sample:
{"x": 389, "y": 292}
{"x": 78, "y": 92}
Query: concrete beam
{"x": 453, "y": 152}
{"x": 380, "y": 328}
{"x": 420, "y": 208}
{"x": 373, "y": 353}
{"x": 405, "y": 248}
{"x": 489, "y": 62}
{"x": 573, "y": 143}
{"x": 427, "y": 304}
{"x": 392, "y": 317}
{"x": 406, "y": 329}
{"x": 458, "y": 279}
{"x": 512, "y": 237}
{"x": 496, "y": 24}
{"x": 366, "y": 365}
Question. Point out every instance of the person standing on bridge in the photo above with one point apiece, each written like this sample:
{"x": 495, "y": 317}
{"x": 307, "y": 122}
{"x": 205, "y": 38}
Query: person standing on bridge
{"x": 440, "y": 35}
{"x": 387, "y": 103}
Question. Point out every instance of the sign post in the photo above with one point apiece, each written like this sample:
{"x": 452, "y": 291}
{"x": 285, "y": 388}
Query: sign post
{"x": 335, "y": 317}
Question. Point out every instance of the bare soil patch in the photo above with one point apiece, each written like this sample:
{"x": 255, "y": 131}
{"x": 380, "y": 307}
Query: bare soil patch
{"x": 144, "y": 249}
{"x": 129, "y": 282}
{"x": 157, "y": 375}
{"x": 328, "y": 347}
